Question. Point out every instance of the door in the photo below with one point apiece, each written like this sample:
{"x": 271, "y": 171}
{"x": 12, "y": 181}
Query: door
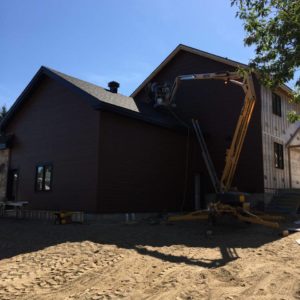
{"x": 12, "y": 185}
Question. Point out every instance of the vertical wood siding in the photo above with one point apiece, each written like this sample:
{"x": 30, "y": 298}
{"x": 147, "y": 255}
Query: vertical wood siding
{"x": 56, "y": 126}
{"x": 217, "y": 108}
{"x": 295, "y": 168}
{"x": 295, "y": 160}
{"x": 141, "y": 167}
{"x": 275, "y": 129}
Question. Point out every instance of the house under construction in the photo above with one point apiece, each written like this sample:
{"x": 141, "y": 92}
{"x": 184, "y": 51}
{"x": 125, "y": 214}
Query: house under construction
{"x": 69, "y": 144}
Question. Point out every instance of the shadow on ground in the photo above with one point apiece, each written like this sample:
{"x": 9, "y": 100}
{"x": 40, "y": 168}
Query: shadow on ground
{"x": 23, "y": 236}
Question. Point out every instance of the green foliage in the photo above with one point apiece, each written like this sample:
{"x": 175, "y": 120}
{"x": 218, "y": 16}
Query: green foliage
{"x": 273, "y": 27}
{"x": 3, "y": 112}
{"x": 293, "y": 116}
{"x": 296, "y": 95}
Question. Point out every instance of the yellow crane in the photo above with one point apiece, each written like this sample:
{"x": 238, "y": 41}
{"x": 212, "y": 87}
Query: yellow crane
{"x": 237, "y": 205}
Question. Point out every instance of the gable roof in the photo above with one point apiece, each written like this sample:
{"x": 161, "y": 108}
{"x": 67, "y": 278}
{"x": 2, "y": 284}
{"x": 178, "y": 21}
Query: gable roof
{"x": 201, "y": 53}
{"x": 292, "y": 132}
{"x": 98, "y": 97}
{"x": 98, "y": 92}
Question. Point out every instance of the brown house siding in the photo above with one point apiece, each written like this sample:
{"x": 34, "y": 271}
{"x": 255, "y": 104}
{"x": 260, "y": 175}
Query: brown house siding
{"x": 142, "y": 166}
{"x": 106, "y": 162}
{"x": 217, "y": 107}
{"x": 56, "y": 125}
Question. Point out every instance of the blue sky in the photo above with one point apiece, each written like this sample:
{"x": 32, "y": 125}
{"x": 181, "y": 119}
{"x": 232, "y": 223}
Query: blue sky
{"x": 104, "y": 40}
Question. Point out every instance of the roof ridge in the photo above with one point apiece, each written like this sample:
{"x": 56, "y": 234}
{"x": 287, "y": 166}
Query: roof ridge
{"x": 61, "y": 74}
{"x": 97, "y": 96}
{"x": 183, "y": 47}
{"x": 212, "y": 54}
{"x": 173, "y": 53}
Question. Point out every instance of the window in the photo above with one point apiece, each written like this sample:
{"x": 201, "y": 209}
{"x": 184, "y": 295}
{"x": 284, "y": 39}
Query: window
{"x": 278, "y": 155}
{"x": 43, "y": 181}
{"x": 276, "y": 104}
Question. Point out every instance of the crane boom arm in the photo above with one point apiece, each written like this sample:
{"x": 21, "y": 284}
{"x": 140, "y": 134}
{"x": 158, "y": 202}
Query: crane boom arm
{"x": 233, "y": 153}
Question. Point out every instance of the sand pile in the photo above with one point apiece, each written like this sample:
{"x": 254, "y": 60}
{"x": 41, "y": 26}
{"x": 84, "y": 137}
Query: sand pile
{"x": 117, "y": 261}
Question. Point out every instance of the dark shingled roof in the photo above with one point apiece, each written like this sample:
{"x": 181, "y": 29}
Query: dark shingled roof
{"x": 99, "y": 93}
{"x": 98, "y": 97}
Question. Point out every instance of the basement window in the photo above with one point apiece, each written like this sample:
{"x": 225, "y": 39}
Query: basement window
{"x": 43, "y": 178}
{"x": 278, "y": 156}
{"x": 276, "y": 104}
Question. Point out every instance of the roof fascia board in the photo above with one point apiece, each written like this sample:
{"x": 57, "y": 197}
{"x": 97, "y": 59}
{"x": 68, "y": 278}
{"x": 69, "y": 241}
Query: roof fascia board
{"x": 200, "y": 53}
{"x": 44, "y": 71}
{"x": 94, "y": 102}
{"x": 97, "y": 104}
{"x": 190, "y": 50}
{"x": 21, "y": 98}
{"x": 156, "y": 71}
{"x": 213, "y": 56}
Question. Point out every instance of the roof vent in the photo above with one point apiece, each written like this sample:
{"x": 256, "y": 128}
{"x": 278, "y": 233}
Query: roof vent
{"x": 113, "y": 86}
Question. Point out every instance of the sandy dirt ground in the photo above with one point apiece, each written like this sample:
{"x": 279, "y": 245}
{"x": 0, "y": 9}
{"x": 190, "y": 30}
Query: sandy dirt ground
{"x": 40, "y": 260}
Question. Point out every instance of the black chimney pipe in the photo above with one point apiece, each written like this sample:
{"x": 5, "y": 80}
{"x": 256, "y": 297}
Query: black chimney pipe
{"x": 113, "y": 86}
